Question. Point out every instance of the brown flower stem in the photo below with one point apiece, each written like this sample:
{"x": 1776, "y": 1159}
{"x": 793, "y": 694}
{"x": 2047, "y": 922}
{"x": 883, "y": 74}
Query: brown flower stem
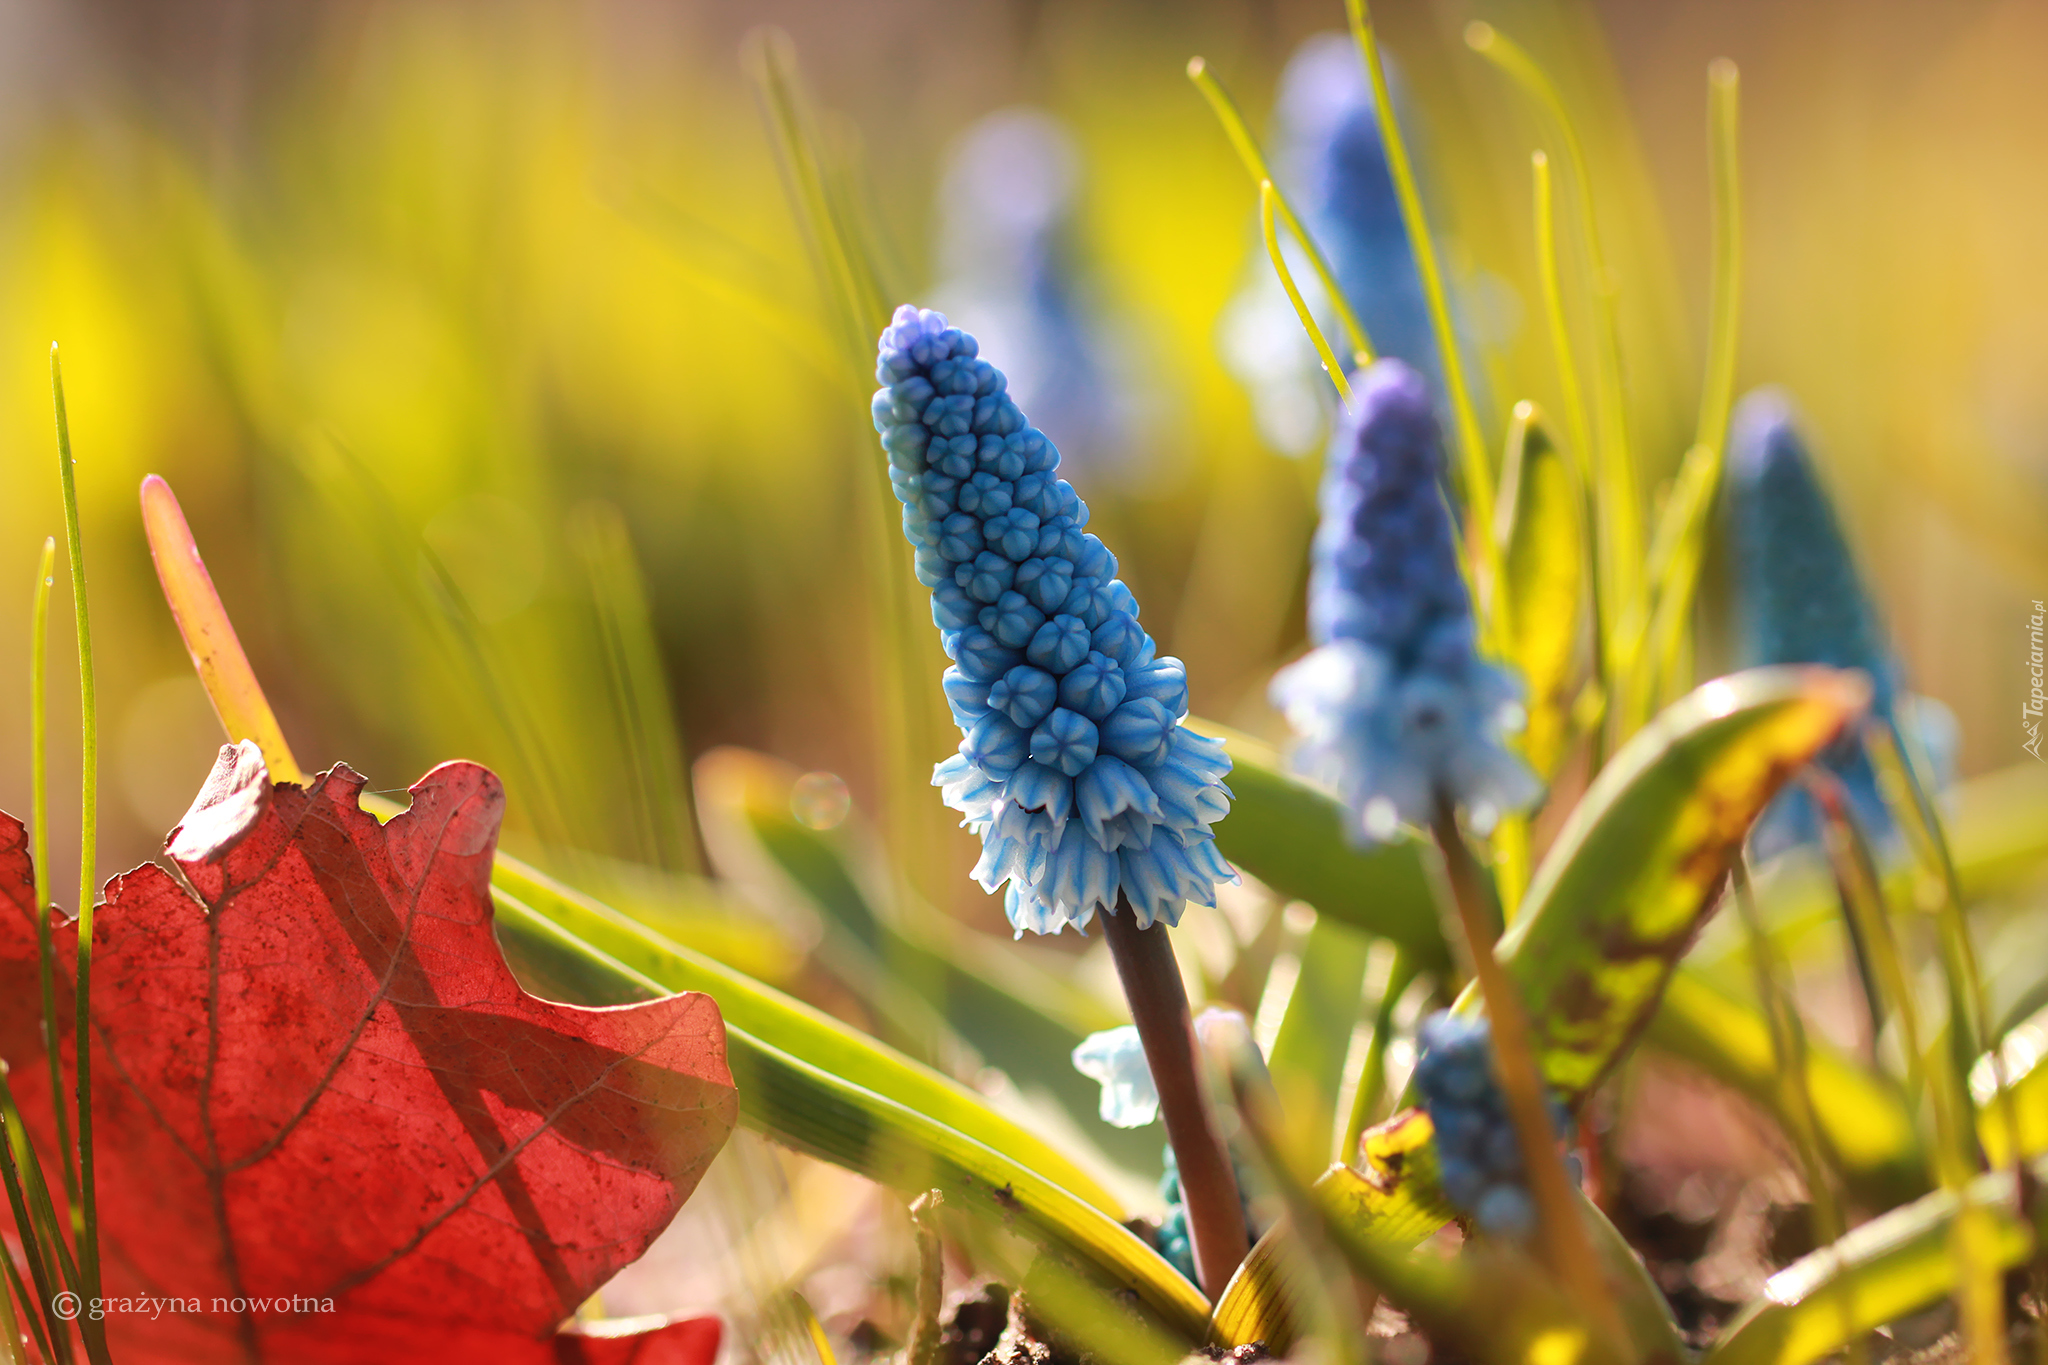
{"x": 1159, "y": 1007}
{"x": 1561, "y": 1237}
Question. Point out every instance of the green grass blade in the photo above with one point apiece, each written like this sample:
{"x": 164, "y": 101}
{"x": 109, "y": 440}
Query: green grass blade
{"x": 815, "y": 1103}
{"x": 793, "y": 1027}
{"x": 1882, "y": 1271}
{"x": 86, "y": 1216}
{"x": 1247, "y": 148}
{"x": 1308, "y": 1054}
{"x": 39, "y": 818}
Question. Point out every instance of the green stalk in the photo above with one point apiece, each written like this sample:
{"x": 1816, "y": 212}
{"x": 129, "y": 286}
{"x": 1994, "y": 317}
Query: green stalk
{"x": 1980, "y": 1300}
{"x": 39, "y": 816}
{"x": 1159, "y": 1007}
{"x": 1478, "y": 477}
{"x": 1561, "y": 1235}
{"x": 86, "y": 1216}
{"x": 35, "y": 1219}
{"x": 1269, "y": 198}
{"x": 1788, "y": 1053}
{"x": 1247, "y": 148}
{"x": 1597, "y": 547}
{"x": 1372, "y": 1082}
{"x": 1620, "y": 521}
{"x": 1676, "y": 582}
{"x": 9, "y": 1323}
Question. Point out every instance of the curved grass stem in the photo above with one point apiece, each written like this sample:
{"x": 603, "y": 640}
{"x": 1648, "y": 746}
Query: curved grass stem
{"x": 1620, "y": 519}
{"x": 1159, "y": 1007}
{"x": 1247, "y": 148}
{"x": 1268, "y": 198}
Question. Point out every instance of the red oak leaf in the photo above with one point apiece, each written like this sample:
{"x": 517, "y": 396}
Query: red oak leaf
{"x": 329, "y": 1123}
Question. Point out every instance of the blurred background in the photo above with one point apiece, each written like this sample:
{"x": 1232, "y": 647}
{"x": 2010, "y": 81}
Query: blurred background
{"x": 509, "y": 408}
{"x": 441, "y": 317}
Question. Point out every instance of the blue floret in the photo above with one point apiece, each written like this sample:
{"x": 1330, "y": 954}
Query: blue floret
{"x": 1479, "y": 1159}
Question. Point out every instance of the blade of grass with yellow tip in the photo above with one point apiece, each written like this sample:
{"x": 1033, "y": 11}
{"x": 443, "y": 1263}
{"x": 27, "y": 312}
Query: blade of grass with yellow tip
{"x": 39, "y": 812}
{"x": 1247, "y": 148}
{"x": 1268, "y": 199}
{"x": 1620, "y": 521}
{"x": 85, "y": 1217}
{"x": 209, "y": 636}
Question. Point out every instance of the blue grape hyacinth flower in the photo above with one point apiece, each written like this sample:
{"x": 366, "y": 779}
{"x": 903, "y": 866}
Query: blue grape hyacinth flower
{"x": 1073, "y": 767}
{"x": 1394, "y": 707}
{"x": 1478, "y": 1155}
{"x": 1799, "y": 598}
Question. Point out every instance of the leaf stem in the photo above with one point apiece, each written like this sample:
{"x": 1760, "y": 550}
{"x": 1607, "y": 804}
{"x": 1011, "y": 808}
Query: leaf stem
{"x": 931, "y": 1280}
{"x": 1564, "y": 1242}
{"x": 39, "y": 817}
{"x": 1254, "y": 160}
{"x": 1268, "y": 198}
{"x": 1159, "y": 1007}
{"x": 86, "y": 1219}
{"x": 217, "y": 654}
{"x": 1372, "y": 1082}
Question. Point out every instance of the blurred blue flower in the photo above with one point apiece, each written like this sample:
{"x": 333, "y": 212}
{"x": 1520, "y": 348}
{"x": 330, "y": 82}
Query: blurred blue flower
{"x": 1394, "y": 705}
{"x": 1479, "y": 1158}
{"x": 1007, "y": 259}
{"x": 1074, "y": 768}
{"x": 1800, "y": 599}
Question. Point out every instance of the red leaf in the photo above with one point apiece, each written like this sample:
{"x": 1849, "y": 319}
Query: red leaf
{"x": 319, "y": 1081}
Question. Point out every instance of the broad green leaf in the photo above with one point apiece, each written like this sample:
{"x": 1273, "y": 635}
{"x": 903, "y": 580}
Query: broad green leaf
{"x": 812, "y": 1104}
{"x": 1307, "y": 1060}
{"x": 900, "y": 954}
{"x": 1290, "y": 835}
{"x": 781, "y": 1022}
{"x": 1896, "y": 1263}
{"x": 1641, "y": 861}
{"x": 1865, "y": 1125}
{"x": 1544, "y": 561}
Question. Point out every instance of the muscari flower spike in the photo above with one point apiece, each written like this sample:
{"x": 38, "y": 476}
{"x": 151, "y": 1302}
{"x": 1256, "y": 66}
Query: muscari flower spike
{"x": 1479, "y": 1158}
{"x": 1394, "y": 708}
{"x": 1074, "y": 767}
{"x": 1800, "y": 599}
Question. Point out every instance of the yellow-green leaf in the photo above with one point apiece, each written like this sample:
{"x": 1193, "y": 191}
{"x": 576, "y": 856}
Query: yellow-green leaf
{"x": 1642, "y": 860}
{"x": 1543, "y": 561}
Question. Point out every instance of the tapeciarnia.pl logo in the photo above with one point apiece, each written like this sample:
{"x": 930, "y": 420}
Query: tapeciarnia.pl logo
{"x": 2030, "y": 710}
